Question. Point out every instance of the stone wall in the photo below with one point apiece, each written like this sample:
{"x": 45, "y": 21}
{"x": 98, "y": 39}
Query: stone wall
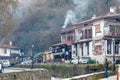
{"x": 93, "y": 76}
{"x": 26, "y": 75}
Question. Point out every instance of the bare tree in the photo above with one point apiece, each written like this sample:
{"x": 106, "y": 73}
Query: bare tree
{"x": 7, "y": 22}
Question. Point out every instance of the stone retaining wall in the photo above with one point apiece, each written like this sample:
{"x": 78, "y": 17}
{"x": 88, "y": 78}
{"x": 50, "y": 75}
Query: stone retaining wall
{"x": 26, "y": 75}
{"x": 94, "y": 76}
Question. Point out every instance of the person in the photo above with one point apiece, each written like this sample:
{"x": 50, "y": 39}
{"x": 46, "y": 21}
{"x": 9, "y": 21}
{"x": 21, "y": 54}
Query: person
{"x": 106, "y": 68}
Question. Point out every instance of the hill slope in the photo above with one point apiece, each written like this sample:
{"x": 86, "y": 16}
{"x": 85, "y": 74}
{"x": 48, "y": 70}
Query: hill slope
{"x": 43, "y": 19}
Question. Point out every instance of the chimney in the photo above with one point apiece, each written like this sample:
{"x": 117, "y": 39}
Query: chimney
{"x": 94, "y": 16}
{"x": 112, "y": 9}
{"x": 10, "y": 43}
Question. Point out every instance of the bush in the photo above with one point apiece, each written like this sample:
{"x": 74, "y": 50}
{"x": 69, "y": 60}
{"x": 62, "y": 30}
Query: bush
{"x": 90, "y": 61}
{"x": 68, "y": 70}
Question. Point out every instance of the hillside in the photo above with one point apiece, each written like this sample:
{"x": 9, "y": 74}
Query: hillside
{"x": 42, "y": 20}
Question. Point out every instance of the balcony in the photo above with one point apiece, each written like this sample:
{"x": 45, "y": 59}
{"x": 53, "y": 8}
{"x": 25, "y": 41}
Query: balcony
{"x": 86, "y": 37}
{"x": 83, "y": 38}
{"x": 112, "y": 34}
{"x": 112, "y": 31}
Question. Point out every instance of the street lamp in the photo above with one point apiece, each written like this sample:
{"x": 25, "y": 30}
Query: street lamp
{"x": 113, "y": 40}
{"x": 32, "y": 56}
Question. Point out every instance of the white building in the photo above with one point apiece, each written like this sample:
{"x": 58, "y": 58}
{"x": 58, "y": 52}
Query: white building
{"x": 98, "y": 38}
{"x": 9, "y": 51}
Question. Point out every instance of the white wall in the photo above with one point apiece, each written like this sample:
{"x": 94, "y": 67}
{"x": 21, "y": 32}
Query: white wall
{"x": 101, "y": 33}
{"x": 77, "y": 35}
{"x": 2, "y": 52}
{"x": 15, "y": 51}
{"x": 99, "y": 57}
{"x": 73, "y": 51}
{"x": 91, "y": 49}
{"x": 78, "y": 50}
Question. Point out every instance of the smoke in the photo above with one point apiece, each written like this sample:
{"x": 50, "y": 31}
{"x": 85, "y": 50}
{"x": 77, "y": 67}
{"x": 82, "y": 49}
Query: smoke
{"x": 70, "y": 18}
{"x": 23, "y": 7}
{"x": 77, "y": 13}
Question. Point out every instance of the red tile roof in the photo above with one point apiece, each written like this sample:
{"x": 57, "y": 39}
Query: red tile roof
{"x": 69, "y": 43}
{"x": 6, "y": 46}
{"x": 68, "y": 29}
{"x": 108, "y": 16}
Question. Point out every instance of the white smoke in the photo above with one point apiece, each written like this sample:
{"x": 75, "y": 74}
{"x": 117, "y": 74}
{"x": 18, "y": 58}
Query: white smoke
{"x": 23, "y": 7}
{"x": 77, "y": 13}
{"x": 70, "y": 18}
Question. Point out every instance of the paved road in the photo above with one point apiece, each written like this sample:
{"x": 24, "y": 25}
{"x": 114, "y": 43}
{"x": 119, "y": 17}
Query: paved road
{"x": 11, "y": 69}
{"x": 110, "y": 78}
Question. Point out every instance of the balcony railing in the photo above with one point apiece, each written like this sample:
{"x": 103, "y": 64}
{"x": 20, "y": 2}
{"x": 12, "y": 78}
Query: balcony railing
{"x": 86, "y": 37}
{"x": 112, "y": 34}
{"x": 83, "y": 38}
{"x": 113, "y": 30}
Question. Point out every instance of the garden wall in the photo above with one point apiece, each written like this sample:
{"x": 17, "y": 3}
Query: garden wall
{"x": 26, "y": 75}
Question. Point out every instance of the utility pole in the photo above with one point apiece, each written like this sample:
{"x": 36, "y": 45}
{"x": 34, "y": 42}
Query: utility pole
{"x": 32, "y": 56}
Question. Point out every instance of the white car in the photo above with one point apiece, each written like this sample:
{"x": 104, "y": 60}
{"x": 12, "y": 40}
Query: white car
{"x": 27, "y": 62}
{"x": 5, "y": 63}
{"x": 1, "y": 67}
{"x": 83, "y": 61}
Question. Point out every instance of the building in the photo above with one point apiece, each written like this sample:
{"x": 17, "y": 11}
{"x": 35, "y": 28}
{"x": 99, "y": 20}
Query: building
{"x": 97, "y": 38}
{"x": 62, "y": 50}
{"x": 9, "y": 52}
{"x": 47, "y": 56}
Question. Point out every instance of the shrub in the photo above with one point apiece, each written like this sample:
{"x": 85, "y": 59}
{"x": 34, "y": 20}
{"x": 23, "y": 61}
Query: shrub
{"x": 90, "y": 61}
{"x": 69, "y": 70}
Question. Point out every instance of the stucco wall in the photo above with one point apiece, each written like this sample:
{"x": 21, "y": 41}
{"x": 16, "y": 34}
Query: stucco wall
{"x": 26, "y": 75}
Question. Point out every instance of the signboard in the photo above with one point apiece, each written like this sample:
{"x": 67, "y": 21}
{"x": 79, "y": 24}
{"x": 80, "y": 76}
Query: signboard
{"x": 97, "y": 28}
{"x": 97, "y": 47}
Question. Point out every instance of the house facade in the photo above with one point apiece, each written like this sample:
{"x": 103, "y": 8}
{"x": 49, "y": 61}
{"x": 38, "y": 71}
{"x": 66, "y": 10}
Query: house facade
{"x": 62, "y": 51}
{"x": 98, "y": 38}
{"x": 9, "y": 52}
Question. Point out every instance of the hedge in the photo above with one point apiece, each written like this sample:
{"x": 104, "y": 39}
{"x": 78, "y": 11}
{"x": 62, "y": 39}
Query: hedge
{"x": 69, "y": 70}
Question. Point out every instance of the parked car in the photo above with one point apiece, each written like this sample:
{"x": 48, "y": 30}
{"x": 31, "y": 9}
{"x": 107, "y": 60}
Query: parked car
{"x": 81, "y": 61}
{"x": 1, "y": 67}
{"x": 27, "y": 62}
{"x": 5, "y": 63}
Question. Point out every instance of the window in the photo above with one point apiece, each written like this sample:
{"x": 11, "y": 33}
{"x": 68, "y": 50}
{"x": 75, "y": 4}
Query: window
{"x": 112, "y": 28}
{"x": 70, "y": 38}
{"x": 90, "y": 33}
{"x": 81, "y": 35}
{"x": 5, "y": 51}
{"x": 97, "y": 28}
{"x": 98, "y": 49}
{"x": 87, "y": 33}
{"x": 117, "y": 47}
{"x": 87, "y": 44}
{"x": 63, "y": 38}
{"x": 81, "y": 45}
{"x": 108, "y": 47}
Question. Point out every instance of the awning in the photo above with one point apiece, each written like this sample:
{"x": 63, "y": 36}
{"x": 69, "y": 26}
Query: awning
{"x": 57, "y": 53}
{"x": 38, "y": 54}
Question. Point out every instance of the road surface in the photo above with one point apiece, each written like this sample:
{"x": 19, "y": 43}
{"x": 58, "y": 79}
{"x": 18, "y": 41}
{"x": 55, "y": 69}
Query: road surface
{"x": 109, "y": 78}
{"x": 12, "y": 69}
